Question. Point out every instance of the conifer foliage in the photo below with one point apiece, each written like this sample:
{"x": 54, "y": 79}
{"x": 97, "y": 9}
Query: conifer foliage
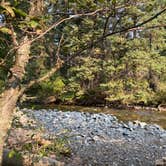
{"x": 116, "y": 55}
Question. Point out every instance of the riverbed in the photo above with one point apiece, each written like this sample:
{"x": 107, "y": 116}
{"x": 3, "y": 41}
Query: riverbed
{"x": 103, "y": 139}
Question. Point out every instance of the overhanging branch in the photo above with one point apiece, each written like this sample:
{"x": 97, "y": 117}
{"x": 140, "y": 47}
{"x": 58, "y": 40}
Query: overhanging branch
{"x": 136, "y": 26}
{"x": 63, "y": 20}
{"x": 91, "y": 44}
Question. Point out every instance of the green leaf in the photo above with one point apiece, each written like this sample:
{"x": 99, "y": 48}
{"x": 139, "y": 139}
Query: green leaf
{"x": 5, "y": 30}
{"x": 20, "y": 12}
{"x": 8, "y": 8}
{"x": 11, "y": 154}
{"x": 33, "y": 24}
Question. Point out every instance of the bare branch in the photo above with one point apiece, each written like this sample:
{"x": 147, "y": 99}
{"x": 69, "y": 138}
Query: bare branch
{"x": 138, "y": 25}
{"x": 49, "y": 73}
{"x": 150, "y": 27}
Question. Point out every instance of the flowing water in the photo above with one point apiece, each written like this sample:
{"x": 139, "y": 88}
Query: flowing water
{"x": 151, "y": 117}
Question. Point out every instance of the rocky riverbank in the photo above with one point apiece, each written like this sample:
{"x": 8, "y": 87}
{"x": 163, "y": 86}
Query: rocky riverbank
{"x": 101, "y": 140}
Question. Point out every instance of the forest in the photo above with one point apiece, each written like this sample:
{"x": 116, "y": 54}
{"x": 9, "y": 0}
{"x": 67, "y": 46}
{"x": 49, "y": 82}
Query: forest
{"x": 107, "y": 57}
{"x": 81, "y": 52}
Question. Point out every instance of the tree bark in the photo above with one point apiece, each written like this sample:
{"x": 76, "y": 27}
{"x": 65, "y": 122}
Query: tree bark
{"x": 10, "y": 96}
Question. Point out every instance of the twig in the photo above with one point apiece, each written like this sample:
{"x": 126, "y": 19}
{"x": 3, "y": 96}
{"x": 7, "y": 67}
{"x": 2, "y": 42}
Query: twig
{"x": 13, "y": 35}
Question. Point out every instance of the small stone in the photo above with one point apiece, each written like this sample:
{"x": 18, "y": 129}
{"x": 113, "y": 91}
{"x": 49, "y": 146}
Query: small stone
{"x": 125, "y": 126}
{"x": 130, "y": 124}
{"x": 163, "y": 135}
{"x": 141, "y": 124}
{"x": 125, "y": 133}
{"x": 164, "y": 146}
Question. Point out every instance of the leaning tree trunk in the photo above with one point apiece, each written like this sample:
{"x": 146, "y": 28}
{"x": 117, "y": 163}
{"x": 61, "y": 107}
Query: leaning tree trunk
{"x": 10, "y": 96}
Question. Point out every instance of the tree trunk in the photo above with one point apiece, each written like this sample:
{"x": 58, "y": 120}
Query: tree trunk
{"x": 10, "y": 96}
